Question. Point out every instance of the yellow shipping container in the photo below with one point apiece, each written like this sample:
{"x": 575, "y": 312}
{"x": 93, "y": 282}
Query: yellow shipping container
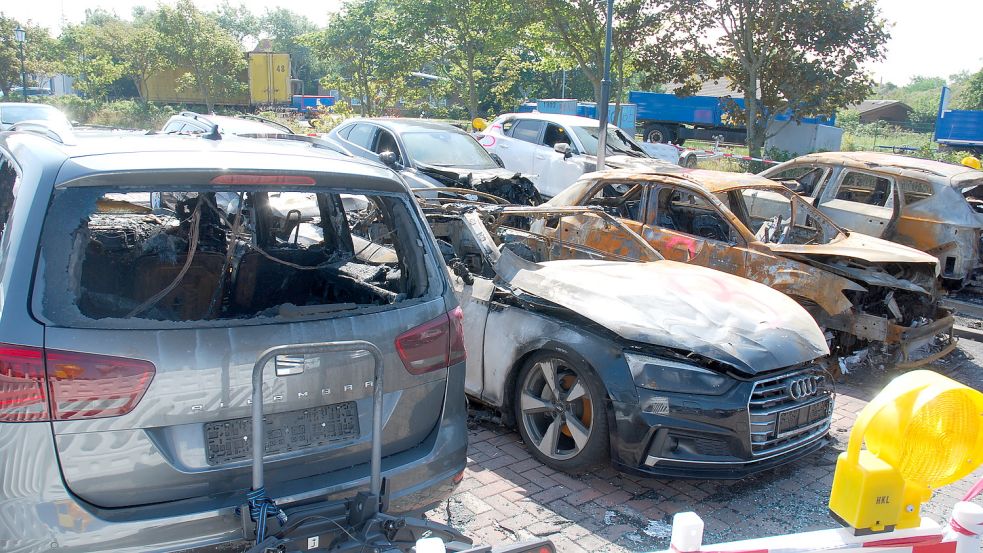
{"x": 267, "y": 76}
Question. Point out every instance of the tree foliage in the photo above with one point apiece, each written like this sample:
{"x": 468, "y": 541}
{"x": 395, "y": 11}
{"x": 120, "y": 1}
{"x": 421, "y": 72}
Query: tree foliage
{"x": 462, "y": 39}
{"x": 971, "y": 95}
{"x": 192, "y": 41}
{"x": 370, "y": 61}
{"x": 285, "y": 28}
{"x": 39, "y": 53}
{"x": 804, "y": 57}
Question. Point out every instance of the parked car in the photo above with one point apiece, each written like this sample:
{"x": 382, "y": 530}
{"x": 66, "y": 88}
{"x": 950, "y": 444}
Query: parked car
{"x": 195, "y": 123}
{"x": 18, "y": 92}
{"x": 430, "y": 154}
{"x": 143, "y": 276}
{"x": 929, "y": 205}
{"x": 16, "y": 112}
{"x": 557, "y": 149}
{"x": 659, "y": 366}
{"x": 861, "y": 289}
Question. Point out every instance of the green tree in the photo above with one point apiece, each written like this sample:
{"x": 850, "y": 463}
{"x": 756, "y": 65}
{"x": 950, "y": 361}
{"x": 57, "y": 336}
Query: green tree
{"x": 971, "y": 95}
{"x": 806, "y": 57}
{"x": 461, "y": 39}
{"x": 285, "y": 28}
{"x": 39, "y": 54}
{"x": 572, "y": 32}
{"x": 192, "y": 41}
{"x": 369, "y": 60}
{"x": 238, "y": 21}
{"x": 91, "y": 52}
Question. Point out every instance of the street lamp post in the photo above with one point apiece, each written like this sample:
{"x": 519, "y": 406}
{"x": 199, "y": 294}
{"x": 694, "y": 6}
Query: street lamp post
{"x": 20, "y": 36}
{"x": 602, "y": 104}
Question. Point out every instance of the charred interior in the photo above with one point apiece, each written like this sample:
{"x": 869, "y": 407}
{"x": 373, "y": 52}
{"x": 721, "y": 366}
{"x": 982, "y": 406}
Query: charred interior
{"x": 187, "y": 256}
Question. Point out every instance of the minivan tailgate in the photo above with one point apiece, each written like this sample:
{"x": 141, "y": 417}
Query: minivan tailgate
{"x": 186, "y": 438}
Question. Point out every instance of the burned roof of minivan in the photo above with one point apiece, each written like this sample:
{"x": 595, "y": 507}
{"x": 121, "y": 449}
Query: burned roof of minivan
{"x": 162, "y": 153}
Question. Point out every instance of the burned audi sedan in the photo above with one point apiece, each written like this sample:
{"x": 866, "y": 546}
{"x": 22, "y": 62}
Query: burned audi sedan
{"x": 877, "y": 300}
{"x": 597, "y": 353}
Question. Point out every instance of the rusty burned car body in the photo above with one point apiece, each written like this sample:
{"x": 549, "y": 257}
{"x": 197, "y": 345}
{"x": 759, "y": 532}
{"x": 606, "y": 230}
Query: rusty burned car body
{"x": 593, "y": 354}
{"x": 929, "y": 205}
{"x": 863, "y": 290}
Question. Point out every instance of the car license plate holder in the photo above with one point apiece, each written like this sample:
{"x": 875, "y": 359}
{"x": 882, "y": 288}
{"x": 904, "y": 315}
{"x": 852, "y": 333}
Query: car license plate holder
{"x": 231, "y": 440}
{"x": 792, "y": 420}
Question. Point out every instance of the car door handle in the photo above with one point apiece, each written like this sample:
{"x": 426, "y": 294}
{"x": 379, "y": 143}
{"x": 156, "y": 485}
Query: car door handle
{"x": 503, "y": 145}
{"x": 540, "y": 157}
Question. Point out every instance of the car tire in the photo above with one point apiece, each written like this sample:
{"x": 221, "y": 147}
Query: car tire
{"x": 564, "y": 424}
{"x": 659, "y": 133}
{"x": 689, "y": 161}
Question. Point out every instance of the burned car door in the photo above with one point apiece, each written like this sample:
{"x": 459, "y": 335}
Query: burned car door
{"x": 685, "y": 226}
{"x": 861, "y": 201}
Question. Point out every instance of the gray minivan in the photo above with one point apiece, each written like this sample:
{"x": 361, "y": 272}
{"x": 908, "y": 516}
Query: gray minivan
{"x": 140, "y": 279}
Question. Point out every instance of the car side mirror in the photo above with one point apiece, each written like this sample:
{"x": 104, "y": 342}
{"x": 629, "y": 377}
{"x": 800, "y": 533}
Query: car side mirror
{"x": 563, "y": 148}
{"x": 390, "y": 159}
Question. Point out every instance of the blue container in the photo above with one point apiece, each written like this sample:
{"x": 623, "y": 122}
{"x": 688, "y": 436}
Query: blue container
{"x": 309, "y": 102}
{"x": 560, "y": 106}
{"x": 629, "y": 113}
{"x": 527, "y": 107}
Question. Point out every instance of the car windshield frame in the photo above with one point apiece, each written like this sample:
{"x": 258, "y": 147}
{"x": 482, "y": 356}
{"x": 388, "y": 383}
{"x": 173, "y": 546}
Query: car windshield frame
{"x": 482, "y": 159}
{"x": 793, "y": 198}
{"x": 589, "y": 140}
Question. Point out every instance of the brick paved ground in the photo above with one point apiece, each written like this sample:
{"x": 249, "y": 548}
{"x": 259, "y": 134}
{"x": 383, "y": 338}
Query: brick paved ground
{"x": 507, "y": 495}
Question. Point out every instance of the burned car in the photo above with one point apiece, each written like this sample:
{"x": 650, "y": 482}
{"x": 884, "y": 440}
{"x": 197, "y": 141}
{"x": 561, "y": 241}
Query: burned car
{"x": 863, "y": 290}
{"x": 929, "y": 205}
{"x": 144, "y": 276}
{"x": 666, "y": 368}
{"x": 431, "y": 154}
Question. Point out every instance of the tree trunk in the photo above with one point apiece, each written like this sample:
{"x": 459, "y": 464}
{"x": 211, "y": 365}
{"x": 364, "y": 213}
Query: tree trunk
{"x": 472, "y": 87}
{"x": 755, "y": 137}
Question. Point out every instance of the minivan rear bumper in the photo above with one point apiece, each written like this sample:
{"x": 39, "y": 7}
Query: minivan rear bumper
{"x": 39, "y": 513}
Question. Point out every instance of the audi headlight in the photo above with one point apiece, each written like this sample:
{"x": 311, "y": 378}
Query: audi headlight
{"x": 665, "y": 375}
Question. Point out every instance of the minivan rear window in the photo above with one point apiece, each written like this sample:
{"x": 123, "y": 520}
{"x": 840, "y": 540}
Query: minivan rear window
{"x": 115, "y": 258}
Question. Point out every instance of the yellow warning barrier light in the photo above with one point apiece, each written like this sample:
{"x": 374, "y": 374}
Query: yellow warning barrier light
{"x": 479, "y": 124}
{"x": 921, "y": 432}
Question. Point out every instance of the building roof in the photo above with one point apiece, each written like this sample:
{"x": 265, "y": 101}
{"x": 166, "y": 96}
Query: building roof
{"x": 868, "y": 106}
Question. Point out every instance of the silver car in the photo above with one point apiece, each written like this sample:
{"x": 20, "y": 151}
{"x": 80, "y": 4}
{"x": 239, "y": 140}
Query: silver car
{"x": 142, "y": 277}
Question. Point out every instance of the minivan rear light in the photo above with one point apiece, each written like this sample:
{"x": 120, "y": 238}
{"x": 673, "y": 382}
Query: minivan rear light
{"x": 435, "y": 344}
{"x": 89, "y": 386}
{"x": 23, "y": 396}
{"x": 263, "y": 179}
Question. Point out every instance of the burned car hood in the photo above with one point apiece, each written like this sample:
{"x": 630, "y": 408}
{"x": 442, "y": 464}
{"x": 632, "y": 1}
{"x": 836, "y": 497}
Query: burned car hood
{"x": 514, "y": 187}
{"x": 849, "y": 255}
{"x": 725, "y": 318}
{"x": 860, "y": 247}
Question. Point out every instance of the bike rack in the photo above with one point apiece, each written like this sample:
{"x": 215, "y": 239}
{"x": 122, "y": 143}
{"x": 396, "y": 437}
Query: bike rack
{"x": 257, "y": 496}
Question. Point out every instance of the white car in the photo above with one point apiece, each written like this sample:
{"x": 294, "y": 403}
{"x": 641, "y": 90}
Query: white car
{"x": 554, "y": 150}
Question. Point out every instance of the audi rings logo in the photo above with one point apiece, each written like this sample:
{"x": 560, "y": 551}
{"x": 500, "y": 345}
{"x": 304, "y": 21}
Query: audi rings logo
{"x": 801, "y": 388}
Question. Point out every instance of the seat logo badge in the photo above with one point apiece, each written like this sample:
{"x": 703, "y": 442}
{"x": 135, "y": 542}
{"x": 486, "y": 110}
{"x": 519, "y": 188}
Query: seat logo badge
{"x": 801, "y": 388}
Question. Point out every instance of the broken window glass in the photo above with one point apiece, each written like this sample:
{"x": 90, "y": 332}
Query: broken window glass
{"x": 178, "y": 255}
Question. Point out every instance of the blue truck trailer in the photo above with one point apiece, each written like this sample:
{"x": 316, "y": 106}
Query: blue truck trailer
{"x": 670, "y": 118}
{"x": 960, "y": 129}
